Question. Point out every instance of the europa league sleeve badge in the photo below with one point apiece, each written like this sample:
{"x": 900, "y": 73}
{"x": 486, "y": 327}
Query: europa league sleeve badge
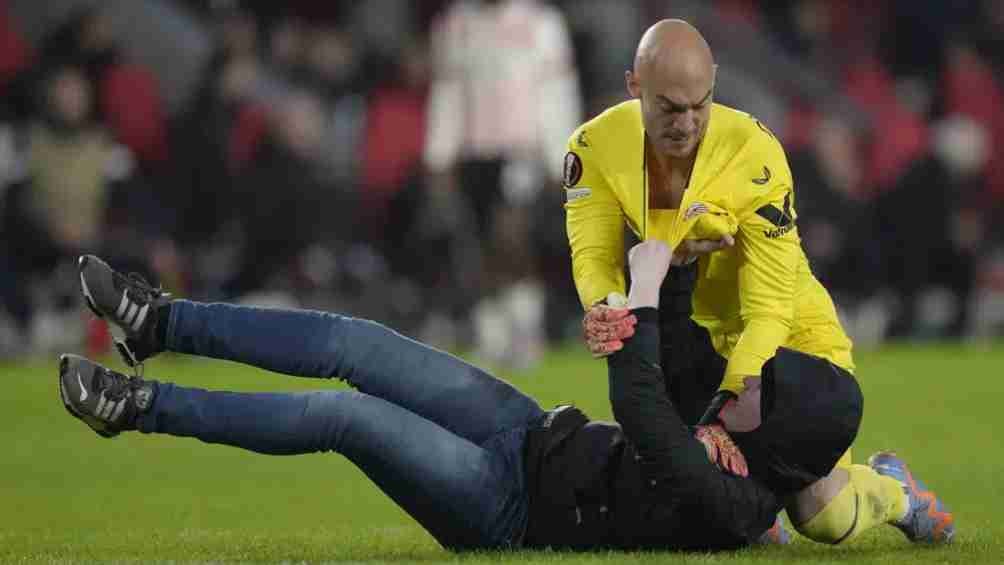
{"x": 573, "y": 169}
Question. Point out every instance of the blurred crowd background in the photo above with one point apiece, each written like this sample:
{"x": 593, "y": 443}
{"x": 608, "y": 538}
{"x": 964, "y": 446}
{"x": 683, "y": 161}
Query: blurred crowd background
{"x": 399, "y": 159}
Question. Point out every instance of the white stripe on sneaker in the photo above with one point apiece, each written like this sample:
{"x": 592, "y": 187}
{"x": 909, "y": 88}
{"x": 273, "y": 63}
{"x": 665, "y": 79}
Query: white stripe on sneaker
{"x": 86, "y": 290}
{"x": 107, "y": 413}
{"x": 101, "y": 406}
{"x": 63, "y": 393}
{"x": 122, "y": 305}
{"x": 138, "y": 322}
{"x": 118, "y": 410}
{"x": 133, "y": 310}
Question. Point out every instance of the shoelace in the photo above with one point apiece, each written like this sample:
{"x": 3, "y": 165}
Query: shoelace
{"x": 118, "y": 387}
{"x": 147, "y": 291}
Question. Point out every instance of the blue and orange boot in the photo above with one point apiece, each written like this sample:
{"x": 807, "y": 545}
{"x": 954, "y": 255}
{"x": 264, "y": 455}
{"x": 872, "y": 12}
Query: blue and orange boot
{"x": 927, "y": 518}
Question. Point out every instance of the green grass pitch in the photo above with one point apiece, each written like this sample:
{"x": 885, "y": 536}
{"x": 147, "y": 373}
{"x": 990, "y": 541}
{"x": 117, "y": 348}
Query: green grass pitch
{"x": 67, "y": 495}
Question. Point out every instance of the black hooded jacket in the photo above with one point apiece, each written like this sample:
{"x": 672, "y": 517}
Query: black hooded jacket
{"x": 642, "y": 483}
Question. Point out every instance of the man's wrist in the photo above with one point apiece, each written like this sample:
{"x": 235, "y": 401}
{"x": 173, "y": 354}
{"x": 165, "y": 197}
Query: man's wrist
{"x": 641, "y": 297}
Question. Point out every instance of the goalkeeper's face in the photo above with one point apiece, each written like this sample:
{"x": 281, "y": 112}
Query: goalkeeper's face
{"x": 676, "y": 113}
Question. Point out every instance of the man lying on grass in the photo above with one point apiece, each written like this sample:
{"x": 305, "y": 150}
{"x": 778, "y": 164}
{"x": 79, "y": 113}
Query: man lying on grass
{"x": 476, "y": 462}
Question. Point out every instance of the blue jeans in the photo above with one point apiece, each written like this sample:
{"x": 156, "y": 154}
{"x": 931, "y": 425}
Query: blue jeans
{"x": 441, "y": 437}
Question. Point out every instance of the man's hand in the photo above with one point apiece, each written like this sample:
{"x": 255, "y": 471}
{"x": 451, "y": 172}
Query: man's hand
{"x": 648, "y": 262}
{"x": 691, "y": 249}
{"x": 721, "y": 450}
{"x": 605, "y": 328}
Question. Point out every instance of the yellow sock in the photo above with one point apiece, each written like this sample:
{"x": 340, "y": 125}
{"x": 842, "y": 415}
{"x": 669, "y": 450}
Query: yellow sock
{"x": 868, "y": 499}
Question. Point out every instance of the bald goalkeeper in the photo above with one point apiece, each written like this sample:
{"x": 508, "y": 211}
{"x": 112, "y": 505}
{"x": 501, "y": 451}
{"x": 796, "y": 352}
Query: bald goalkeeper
{"x": 750, "y": 339}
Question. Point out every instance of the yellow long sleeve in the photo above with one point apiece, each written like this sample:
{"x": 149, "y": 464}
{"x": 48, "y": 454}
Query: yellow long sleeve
{"x": 595, "y": 225}
{"x": 770, "y": 259}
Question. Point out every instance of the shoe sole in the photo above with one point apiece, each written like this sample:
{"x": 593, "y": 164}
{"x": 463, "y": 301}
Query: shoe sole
{"x": 63, "y": 363}
{"x": 88, "y": 298}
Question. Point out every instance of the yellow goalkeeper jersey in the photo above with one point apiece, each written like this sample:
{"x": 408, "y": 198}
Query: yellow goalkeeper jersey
{"x": 753, "y": 297}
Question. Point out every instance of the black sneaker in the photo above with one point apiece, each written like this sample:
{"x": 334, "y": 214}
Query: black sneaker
{"x": 106, "y": 401}
{"x": 129, "y": 302}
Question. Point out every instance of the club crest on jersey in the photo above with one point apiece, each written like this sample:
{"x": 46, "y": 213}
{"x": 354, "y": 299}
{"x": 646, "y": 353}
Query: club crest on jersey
{"x": 694, "y": 210}
{"x": 573, "y": 169}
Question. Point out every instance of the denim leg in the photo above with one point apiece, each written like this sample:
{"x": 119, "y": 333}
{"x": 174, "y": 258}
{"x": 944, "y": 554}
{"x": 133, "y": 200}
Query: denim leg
{"x": 467, "y": 496}
{"x": 371, "y": 357}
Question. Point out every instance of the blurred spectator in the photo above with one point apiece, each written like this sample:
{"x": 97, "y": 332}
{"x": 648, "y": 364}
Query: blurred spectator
{"x": 504, "y": 94}
{"x": 134, "y": 111}
{"x": 604, "y": 36}
{"x": 68, "y": 163}
{"x": 62, "y": 207}
{"x": 837, "y": 226}
{"x": 332, "y": 61}
{"x": 215, "y": 141}
{"x": 972, "y": 88}
{"x": 932, "y": 230}
{"x": 504, "y": 100}
{"x": 287, "y": 48}
{"x": 395, "y": 135}
{"x": 898, "y": 134}
{"x": 326, "y": 137}
{"x": 332, "y": 69}
{"x": 424, "y": 234}
{"x": 127, "y": 96}
{"x": 284, "y": 201}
